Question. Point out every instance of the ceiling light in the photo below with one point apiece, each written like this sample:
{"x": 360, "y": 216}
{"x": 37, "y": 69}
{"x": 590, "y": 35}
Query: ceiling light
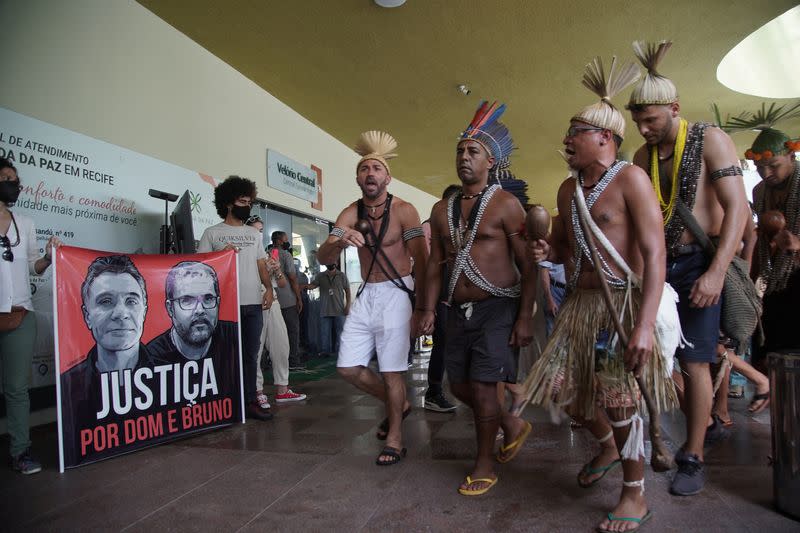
{"x": 765, "y": 63}
{"x": 463, "y": 89}
{"x": 389, "y": 3}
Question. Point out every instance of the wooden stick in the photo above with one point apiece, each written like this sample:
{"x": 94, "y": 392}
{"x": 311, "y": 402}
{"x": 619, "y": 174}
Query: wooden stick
{"x": 661, "y": 459}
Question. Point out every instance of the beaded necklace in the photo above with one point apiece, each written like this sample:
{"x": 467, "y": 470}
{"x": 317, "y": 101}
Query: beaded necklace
{"x": 667, "y": 208}
{"x": 471, "y": 196}
{"x": 689, "y": 174}
{"x": 776, "y": 271}
{"x": 463, "y": 261}
{"x": 582, "y": 247}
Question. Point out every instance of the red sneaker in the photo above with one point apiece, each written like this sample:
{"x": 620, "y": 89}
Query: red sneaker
{"x": 289, "y": 396}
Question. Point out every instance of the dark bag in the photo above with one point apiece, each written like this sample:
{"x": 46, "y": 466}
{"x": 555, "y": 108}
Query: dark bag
{"x": 741, "y": 306}
{"x": 11, "y": 321}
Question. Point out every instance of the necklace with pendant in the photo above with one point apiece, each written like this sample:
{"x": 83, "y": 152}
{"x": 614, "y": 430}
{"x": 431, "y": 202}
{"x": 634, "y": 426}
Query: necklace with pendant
{"x": 372, "y": 208}
{"x": 471, "y": 196}
{"x": 465, "y": 227}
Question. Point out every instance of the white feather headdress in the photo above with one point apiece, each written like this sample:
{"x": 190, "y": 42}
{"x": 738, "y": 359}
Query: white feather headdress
{"x": 377, "y": 145}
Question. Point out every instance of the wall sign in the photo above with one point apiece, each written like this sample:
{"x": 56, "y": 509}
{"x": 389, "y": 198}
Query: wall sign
{"x": 291, "y": 177}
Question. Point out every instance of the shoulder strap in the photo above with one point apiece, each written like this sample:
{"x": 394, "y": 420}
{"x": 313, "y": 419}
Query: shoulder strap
{"x": 376, "y": 239}
{"x": 694, "y": 227}
{"x": 377, "y": 249}
{"x": 583, "y": 212}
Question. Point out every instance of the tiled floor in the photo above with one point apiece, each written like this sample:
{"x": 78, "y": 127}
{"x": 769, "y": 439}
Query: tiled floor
{"x": 312, "y": 469}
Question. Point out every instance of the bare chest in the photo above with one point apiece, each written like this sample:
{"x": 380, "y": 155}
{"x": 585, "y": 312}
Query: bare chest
{"x": 384, "y": 230}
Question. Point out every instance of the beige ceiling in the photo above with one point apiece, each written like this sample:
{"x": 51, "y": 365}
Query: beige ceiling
{"x": 349, "y": 66}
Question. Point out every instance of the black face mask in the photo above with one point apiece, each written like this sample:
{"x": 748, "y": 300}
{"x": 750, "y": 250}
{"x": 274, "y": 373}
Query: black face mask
{"x": 330, "y": 267}
{"x": 242, "y": 212}
{"x": 9, "y": 192}
{"x": 286, "y": 246}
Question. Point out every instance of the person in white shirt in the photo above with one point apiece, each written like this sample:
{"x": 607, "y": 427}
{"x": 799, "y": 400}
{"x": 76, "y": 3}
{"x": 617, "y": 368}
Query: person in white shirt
{"x": 17, "y": 322}
{"x": 233, "y": 199}
{"x": 276, "y": 339}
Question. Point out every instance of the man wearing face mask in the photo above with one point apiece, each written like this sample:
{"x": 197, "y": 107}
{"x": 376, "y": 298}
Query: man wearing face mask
{"x": 233, "y": 198}
{"x": 289, "y": 297}
{"x": 17, "y": 322}
{"x": 334, "y": 298}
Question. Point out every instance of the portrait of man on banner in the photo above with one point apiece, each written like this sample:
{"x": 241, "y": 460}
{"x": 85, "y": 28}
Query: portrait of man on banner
{"x": 113, "y": 306}
{"x": 192, "y": 303}
{"x": 133, "y": 373}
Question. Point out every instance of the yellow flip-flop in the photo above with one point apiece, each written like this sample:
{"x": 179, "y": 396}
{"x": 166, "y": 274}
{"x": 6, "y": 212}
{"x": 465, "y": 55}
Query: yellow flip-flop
{"x": 477, "y": 492}
{"x": 515, "y": 446}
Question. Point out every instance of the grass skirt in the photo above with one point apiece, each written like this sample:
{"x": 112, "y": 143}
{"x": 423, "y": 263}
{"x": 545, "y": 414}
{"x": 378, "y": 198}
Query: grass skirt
{"x": 581, "y": 367}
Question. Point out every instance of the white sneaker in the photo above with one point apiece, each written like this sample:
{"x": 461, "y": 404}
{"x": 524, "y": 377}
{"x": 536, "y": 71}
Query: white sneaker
{"x": 262, "y": 400}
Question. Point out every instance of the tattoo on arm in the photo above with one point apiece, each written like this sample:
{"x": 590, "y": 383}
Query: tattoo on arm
{"x": 732, "y": 170}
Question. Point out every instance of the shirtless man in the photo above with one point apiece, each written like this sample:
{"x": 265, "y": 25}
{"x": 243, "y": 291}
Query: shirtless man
{"x": 699, "y": 164}
{"x": 476, "y": 233}
{"x": 581, "y": 368}
{"x": 381, "y": 317}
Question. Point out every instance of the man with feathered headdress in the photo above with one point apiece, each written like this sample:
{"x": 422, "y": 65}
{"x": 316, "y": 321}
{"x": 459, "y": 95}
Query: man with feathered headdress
{"x": 583, "y": 365}
{"x": 388, "y": 235}
{"x": 777, "y": 257}
{"x": 695, "y": 165}
{"x": 475, "y": 233}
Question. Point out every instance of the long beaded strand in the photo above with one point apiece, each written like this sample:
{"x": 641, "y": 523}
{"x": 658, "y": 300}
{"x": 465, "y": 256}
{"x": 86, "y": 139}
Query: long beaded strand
{"x": 580, "y": 240}
{"x": 667, "y": 208}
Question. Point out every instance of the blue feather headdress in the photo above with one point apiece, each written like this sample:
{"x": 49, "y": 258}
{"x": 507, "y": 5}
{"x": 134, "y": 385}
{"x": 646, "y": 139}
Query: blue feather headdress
{"x": 491, "y": 134}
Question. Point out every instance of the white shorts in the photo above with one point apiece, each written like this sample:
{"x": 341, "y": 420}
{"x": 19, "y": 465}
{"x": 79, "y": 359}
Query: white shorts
{"x": 379, "y": 320}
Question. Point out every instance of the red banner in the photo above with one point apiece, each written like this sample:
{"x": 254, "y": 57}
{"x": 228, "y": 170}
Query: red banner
{"x": 148, "y": 349}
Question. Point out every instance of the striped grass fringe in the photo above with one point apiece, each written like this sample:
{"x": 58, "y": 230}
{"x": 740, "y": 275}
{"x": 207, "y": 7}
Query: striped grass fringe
{"x": 565, "y": 373}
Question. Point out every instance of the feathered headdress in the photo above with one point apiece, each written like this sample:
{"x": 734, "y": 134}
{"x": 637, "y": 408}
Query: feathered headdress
{"x": 493, "y": 135}
{"x": 510, "y": 183}
{"x": 654, "y": 89}
{"x": 377, "y": 145}
{"x": 603, "y": 114}
{"x": 770, "y": 141}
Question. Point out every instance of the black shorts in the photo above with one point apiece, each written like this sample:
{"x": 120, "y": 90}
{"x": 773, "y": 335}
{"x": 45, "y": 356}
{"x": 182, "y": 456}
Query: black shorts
{"x": 477, "y": 347}
{"x": 779, "y": 319}
{"x": 700, "y": 325}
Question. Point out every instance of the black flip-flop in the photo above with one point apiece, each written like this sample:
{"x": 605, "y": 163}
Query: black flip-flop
{"x": 383, "y": 429}
{"x": 763, "y": 398}
{"x": 394, "y": 453}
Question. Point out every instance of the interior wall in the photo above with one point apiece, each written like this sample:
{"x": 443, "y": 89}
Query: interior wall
{"x": 116, "y": 72}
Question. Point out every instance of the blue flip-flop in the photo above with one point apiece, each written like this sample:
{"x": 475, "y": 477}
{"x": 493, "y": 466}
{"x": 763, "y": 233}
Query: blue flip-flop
{"x": 587, "y": 470}
{"x": 639, "y": 522}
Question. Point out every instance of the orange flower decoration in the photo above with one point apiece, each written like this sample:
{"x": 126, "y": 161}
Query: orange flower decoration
{"x": 766, "y": 154}
{"x": 749, "y": 154}
{"x": 756, "y": 157}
